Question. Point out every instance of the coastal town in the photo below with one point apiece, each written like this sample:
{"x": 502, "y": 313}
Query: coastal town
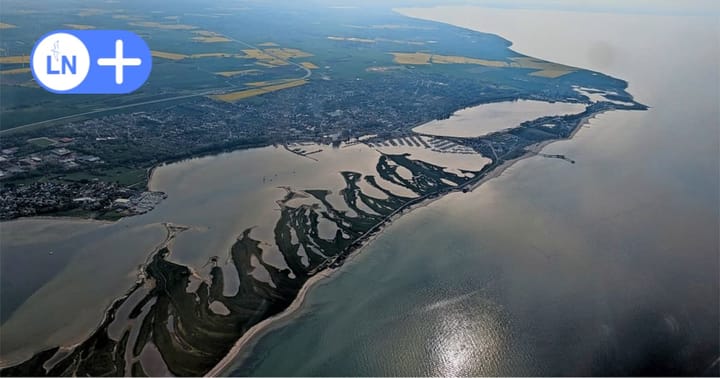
{"x": 84, "y": 167}
{"x": 99, "y": 168}
{"x": 75, "y": 193}
{"x": 107, "y": 201}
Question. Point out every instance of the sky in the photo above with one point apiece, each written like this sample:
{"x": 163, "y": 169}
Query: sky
{"x": 610, "y": 6}
{"x": 670, "y": 7}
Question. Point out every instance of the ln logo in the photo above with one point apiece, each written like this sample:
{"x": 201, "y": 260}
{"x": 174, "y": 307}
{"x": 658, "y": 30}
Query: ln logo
{"x": 91, "y": 61}
{"x": 61, "y": 62}
{"x": 65, "y": 63}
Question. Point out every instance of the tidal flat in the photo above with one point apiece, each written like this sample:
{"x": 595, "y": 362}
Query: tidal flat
{"x": 241, "y": 233}
{"x": 182, "y": 289}
{"x": 294, "y": 211}
{"x": 603, "y": 267}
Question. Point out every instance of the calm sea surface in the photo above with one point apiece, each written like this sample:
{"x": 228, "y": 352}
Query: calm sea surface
{"x": 74, "y": 268}
{"x": 608, "y": 266}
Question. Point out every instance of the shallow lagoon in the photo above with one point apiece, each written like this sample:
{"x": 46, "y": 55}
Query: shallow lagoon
{"x": 607, "y": 266}
{"x": 540, "y": 205}
{"x": 217, "y": 197}
{"x": 498, "y": 116}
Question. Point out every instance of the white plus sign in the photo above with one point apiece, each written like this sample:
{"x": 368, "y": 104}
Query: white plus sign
{"x": 119, "y": 61}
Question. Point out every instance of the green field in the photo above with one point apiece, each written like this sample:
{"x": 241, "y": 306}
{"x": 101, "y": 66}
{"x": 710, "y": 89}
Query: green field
{"x": 122, "y": 175}
{"x": 24, "y": 103}
{"x": 193, "y": 51}
{"x": 42, "y": 142}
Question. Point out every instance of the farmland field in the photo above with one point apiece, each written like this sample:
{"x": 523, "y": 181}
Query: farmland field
{"x": 219, "y": 52}
{"x": 297, "y": 108}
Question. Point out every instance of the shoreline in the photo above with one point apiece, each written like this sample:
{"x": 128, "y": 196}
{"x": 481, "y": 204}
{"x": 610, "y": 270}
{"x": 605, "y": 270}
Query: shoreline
{"x": 531, "y": 151}
{"x": 264, "y": 326}
{"x": 267, "y": 325}
{"x": 150, "y": 171}
{"x": 459, "y": 113}
{"x": 332, "y": 265}
{"x": 171, "y": 230}
{"x": 328, "y": 273}
{"x": 58, "y": 218}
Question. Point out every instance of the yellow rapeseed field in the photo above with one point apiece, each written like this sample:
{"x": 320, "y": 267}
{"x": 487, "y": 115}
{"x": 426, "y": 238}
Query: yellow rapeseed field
{"x": 547, "y": 69}
{"x": 412, "y": 58}
{"x": 236, "y": 96}
{"x": 211, "y": 39}
{"x": 167, "y": 55}
{"x": 14, "y": 71}
{"x": 450, "y": 59}
{"x": 14, "y": 59}
{"x": 206, "y": 36}
{"x": 79, "y": 26}
{"x": 285, "y": 53}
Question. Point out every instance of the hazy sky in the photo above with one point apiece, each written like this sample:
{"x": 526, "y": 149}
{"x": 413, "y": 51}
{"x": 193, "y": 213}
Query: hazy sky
{"x": 696, "y": 7}
{"x": 652, "y": 6}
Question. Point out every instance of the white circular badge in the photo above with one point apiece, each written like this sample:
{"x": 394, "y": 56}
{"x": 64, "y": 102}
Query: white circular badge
{"x": 60, "y": 62}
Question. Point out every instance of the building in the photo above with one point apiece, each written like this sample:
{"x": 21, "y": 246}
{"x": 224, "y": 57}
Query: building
{"x": 89, "y": 158}
{"x": 84, "y": 199}
{"x": 61, "y": 151}
{"x": 122, "y": 202}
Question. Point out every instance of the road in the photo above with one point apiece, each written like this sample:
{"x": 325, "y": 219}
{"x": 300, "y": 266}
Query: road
{"x": 307, "y": 75}
{"x": 102, "y": 110}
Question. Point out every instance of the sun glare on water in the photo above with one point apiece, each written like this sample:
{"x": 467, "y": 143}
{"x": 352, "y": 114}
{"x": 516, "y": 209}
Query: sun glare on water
{"x": 464, "y": 342}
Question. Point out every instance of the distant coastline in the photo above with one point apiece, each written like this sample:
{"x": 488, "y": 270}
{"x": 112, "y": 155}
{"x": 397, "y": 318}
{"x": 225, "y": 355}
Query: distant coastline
{"x": 512, "y": 145}
{"x": 260, "y": 329}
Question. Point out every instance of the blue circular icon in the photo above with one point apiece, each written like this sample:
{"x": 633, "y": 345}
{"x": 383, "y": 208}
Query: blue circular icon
{"x": 91, "y": 61}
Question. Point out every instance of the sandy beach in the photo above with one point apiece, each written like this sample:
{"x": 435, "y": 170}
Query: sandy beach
{"x": 266, "y": 325}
